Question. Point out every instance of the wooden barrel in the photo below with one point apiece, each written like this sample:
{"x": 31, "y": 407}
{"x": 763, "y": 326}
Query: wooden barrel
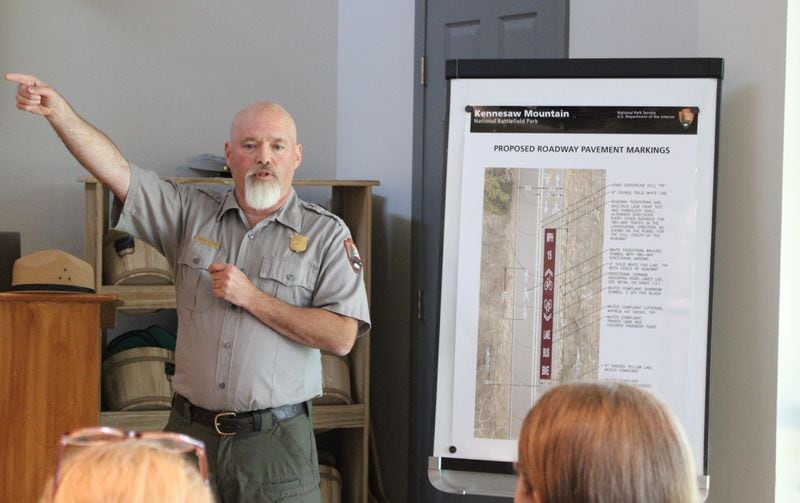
{"x": 130, "y": 261}
{"x": 330, "y": 484}
{"x": 335, "y": 381}
{"x": 136, "y": 379}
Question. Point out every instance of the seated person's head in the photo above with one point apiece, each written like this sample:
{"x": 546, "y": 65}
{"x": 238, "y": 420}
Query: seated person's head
{"x": 603, "y": 442}
{"x": 128, "y": 471}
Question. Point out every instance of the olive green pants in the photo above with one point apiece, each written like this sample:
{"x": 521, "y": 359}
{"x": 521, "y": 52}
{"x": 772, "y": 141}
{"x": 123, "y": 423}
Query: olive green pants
{"x": 277, "y": 464}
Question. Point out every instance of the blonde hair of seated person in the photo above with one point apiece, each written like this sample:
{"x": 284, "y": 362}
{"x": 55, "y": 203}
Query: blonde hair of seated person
{"x": 128, "y": 471}
{"x": 602, "y": 442}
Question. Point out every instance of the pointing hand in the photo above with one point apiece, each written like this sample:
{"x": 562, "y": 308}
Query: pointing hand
{"x": 33, "y": 95}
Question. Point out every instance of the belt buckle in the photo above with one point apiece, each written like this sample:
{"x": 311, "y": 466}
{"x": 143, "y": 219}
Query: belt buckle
{"x": 216, "y": 423}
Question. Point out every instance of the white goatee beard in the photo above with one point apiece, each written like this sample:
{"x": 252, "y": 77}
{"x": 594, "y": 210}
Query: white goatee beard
{"x": 261, "y": 194}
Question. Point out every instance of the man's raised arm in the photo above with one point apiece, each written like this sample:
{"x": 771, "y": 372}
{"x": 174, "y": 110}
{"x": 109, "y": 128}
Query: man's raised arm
{"x": 90, "y": 146}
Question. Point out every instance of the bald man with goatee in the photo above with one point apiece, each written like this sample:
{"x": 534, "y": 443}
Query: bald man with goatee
{"x": 263, "y": 282}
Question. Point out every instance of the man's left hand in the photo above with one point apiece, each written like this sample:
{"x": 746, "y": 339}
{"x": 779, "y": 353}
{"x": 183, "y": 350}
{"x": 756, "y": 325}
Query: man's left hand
{"x": 230, "y": 283}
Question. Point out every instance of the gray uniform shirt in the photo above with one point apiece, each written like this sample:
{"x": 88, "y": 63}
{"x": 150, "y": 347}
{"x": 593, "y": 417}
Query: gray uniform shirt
{"x": 225, "y": 358}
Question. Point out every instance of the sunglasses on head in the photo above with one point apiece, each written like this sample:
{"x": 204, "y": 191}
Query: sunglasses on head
{"x": 103, "y": 435}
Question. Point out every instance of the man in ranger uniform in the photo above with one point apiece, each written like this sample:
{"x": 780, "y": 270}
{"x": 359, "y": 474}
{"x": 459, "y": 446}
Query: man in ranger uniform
{"x": 264, "y": 281}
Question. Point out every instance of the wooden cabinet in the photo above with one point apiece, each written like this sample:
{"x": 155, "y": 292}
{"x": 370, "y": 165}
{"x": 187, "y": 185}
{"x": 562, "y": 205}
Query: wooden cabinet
{"x": 351, "y": 200}
{"x": 49, "y": 380}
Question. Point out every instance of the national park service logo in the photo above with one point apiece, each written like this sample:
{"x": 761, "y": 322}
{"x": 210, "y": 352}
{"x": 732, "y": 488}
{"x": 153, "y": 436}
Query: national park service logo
{"x": 686, "y": 117}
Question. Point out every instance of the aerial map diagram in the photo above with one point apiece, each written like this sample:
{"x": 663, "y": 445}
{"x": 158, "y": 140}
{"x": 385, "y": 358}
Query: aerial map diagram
{"x": 541, "y": 280}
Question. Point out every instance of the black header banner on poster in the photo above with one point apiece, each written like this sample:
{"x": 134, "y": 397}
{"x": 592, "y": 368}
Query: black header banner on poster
{"x": 577, "y": 245}
{"x": 597, "y": 120}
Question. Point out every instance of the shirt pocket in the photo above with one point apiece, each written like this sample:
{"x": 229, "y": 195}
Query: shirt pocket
{"x": 290, "y": 278}
{"x": 194, "y": 280}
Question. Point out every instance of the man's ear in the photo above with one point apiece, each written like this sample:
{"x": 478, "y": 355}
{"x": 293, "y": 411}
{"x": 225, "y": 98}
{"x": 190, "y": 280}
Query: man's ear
{"x": 228, "y": 153}
{"x": 299, "y": 154}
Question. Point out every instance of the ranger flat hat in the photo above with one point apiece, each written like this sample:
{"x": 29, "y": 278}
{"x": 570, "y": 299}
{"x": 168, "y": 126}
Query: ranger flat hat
{"x": 209, "y": 165}
{"x": 52, "y": 271}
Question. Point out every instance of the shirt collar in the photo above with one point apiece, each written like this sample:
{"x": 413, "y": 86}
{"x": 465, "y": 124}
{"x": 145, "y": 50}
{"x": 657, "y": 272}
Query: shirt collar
{"x": 289, "y": 214}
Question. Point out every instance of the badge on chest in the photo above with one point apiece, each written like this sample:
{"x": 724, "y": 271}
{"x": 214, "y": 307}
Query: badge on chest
{"x": 298, "y": 243}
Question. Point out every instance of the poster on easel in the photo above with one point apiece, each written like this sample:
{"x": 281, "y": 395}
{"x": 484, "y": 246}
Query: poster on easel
{"x": 578, "y": 243}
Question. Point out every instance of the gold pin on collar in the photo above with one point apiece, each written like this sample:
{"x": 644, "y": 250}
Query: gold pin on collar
{"x": 298, "y": 243}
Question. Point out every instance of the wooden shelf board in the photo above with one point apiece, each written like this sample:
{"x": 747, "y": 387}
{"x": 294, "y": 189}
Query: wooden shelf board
{"x": 146, "y": 420}
{"x": 326, "y": 417}
{"x": 304, "y": 182}
{"x": 143, "y": 296}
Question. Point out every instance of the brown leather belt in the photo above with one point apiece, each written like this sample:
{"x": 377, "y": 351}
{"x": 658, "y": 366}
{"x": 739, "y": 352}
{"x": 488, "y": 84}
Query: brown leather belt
{"x": 228, "y": 423}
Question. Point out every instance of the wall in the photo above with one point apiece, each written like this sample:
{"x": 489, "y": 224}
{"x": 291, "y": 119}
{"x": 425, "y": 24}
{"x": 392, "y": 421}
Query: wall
{"x": 376, "y": 65}
{"x": 163, "y": 79}
{"x": 787, "y": 442}
{"x": 632, "y": 29}
{"x": 745, "y": 334}
{"x": 745, "y": 323}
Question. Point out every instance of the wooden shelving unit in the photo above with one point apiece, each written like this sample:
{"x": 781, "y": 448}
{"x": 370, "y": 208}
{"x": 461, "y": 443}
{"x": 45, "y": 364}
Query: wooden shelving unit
{"x": 351, "y": 200}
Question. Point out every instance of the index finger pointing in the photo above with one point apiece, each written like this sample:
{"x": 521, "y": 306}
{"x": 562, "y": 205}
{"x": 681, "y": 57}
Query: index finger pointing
{"x": 22, "y": 78}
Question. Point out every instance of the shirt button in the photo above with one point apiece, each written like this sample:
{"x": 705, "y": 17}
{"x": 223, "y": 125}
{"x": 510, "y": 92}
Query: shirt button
{"x": 195, "y": 261}
{"x": 227, "y": 345}
{"x": 222, "y": 385}
{"x": 290, "y": 277}
{"x": 251, "y": 235}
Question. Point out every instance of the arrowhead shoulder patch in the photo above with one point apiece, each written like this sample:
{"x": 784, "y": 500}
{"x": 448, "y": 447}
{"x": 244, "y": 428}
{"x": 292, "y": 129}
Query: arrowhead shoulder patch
{"x": 352, "y": 255}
